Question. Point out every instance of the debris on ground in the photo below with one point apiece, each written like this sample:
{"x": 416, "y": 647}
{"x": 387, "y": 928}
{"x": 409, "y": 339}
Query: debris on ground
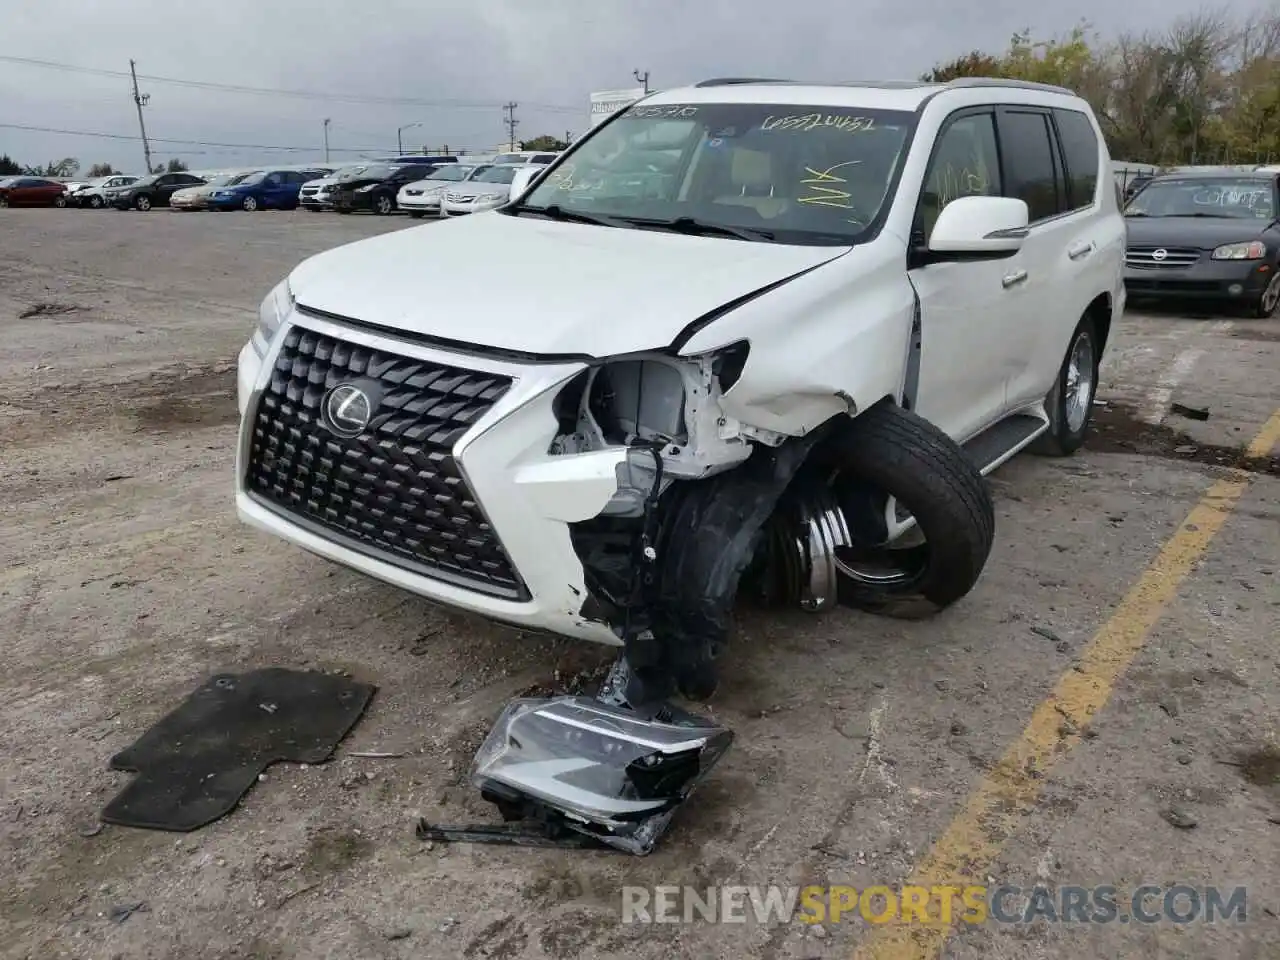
{"x": 1179, "y": 817}
{"x": 122, "y": 912}
{"x": 1191, "y": 413}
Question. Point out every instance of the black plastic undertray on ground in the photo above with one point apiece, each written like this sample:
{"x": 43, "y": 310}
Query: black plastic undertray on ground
{"x": 197, "y": 762}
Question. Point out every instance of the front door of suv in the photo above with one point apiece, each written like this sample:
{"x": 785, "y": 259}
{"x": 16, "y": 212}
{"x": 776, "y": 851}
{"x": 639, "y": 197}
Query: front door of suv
{"x": 969, "y": 309}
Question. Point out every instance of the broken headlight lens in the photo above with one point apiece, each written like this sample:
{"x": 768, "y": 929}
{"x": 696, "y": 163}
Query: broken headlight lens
{"x": 271, "y": 313}
{"x": 603, "y": 767}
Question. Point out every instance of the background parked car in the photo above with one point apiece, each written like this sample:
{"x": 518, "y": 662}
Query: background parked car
{"x": 317, "y": 195}
{"x": 32, "y": 192}
{"x": 422, "y": 197}
{"x": 263, "y": 190}
{"x": 152, "y": 191}
{"x": 376, "y": 188}
{"x": 92, "y": 193}
{"x": 488, "y": 189}
{"x": 197, "y": 198}
{"x": 526, "y": 156}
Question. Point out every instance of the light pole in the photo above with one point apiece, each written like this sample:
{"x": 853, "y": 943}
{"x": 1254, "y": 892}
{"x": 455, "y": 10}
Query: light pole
{"x": 326, "y": 139}
{"x": 401, "y": 130}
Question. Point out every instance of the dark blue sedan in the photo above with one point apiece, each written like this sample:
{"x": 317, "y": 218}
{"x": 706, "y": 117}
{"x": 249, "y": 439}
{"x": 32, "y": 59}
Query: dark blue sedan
{"x": 264, "y": 190}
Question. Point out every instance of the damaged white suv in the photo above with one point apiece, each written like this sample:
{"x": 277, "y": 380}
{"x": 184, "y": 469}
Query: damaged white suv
{"x": 749, "y": 335}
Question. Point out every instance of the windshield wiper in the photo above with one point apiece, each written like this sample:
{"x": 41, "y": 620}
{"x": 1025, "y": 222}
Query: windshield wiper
{"x": 700, "y": 228}
{"x": 554, "y": 211}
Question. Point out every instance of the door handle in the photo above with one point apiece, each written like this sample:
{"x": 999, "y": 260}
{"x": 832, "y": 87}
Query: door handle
{"x": 1012, "y": 279}
{"x": 1080, "y": 250}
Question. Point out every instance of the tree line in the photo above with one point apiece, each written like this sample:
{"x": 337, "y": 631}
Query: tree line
{"x": 70, "y": 167}
{"x": 1204, "y": 90}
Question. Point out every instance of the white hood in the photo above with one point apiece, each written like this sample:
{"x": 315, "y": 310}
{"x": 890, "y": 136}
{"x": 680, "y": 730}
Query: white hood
{"x": 541, "y": 286}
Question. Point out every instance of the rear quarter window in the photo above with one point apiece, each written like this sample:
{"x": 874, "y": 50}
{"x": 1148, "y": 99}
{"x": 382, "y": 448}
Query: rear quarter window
{"x": 1080, "y": 153}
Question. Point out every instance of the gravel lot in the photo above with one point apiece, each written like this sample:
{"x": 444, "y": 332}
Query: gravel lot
{"x": 125, "y": 580}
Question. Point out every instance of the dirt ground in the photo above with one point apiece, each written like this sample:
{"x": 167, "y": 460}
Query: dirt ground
{"x": 125, "y": 580}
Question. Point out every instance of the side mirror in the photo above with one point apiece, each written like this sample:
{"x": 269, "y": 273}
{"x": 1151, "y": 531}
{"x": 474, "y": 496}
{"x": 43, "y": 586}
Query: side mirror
{"x": 979, "y": 227}
{"x": 520, "y": 182}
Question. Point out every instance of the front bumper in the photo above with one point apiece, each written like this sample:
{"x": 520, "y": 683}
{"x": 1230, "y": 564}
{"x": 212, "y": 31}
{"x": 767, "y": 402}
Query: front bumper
{"x": 527, "y": 496}
{"x": 1241, "y": 280}
{"x": 418, "y": 203}
{"x": 353, "y": 200}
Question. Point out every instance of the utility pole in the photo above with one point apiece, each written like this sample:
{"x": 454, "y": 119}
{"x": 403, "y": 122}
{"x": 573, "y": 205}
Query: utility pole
{"x": 140, "y": 100}
{"x": 642, "y": 78}
{"x": 511, "y": 123}
{"x": 326, "y": 139}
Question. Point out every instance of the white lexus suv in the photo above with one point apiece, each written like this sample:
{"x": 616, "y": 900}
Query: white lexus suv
{"x": 750, "y": 335}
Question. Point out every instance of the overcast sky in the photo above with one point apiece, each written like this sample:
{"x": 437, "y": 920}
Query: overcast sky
{"x": 546, "y": 55}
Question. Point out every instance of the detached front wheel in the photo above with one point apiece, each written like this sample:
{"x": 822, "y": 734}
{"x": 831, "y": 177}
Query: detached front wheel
{"x": 914, "y": 522}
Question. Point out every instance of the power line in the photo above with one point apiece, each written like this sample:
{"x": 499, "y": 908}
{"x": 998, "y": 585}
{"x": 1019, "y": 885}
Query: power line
{"x": 278, "y": 92}
{"x": 192, "y": 143}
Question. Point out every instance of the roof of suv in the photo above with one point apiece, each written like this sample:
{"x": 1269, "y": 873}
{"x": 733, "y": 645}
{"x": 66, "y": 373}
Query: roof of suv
{"x": 873, "y": 94}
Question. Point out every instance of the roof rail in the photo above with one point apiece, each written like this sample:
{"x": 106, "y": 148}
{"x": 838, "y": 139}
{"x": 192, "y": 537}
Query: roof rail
{"x": 729, "y": 81}
{"x": 1015, "y": 84}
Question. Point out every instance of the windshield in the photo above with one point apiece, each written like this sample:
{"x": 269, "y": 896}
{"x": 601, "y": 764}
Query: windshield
{"x": 1235, "y": 198}
{"x": 224, "y": 179}
{"x": 496, "y": 175}
{"x": 241, "y": 178}
{"x": 796, "y": 173}
{"x": 378, "y": 171}
{"x": 346, "y": 173}
{"x": 450, "y": 173}
{"x": 249, "y": 179}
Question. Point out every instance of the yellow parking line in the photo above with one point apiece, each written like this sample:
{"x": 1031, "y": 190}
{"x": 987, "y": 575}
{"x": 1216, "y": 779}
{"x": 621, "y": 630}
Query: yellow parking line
{"x": 973, "y": 840}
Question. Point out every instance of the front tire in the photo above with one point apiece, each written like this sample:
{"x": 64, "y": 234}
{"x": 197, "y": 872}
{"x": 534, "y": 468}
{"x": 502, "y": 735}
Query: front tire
{"x": 1070, "y": 402}
{"x": 60, "y": 201}
{"x": 886, "y": 458}
{"x": 249, "y": 204}
{"x": 383, "y": 205}
{"x": 95, "y": 203}
{"x": 142, "y": 203}
{"x": 1266, "y": 305}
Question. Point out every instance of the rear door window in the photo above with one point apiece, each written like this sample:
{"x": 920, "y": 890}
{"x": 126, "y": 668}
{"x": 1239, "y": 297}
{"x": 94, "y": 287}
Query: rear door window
{"x": 1080, "y": 156}
{"x": 1031, "y": 168}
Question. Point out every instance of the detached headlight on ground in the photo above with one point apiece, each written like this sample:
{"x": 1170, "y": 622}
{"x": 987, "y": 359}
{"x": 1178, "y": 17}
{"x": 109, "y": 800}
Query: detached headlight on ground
{"x": 1253, "y": 250}
{"x": 274, "y": 308}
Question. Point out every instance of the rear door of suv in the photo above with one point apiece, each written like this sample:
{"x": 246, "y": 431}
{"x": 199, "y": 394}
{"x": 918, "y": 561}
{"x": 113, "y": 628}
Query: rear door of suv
{"x": 1051, "y": 159}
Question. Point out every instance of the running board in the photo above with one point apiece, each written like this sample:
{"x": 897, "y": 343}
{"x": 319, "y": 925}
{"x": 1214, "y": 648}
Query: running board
{"x": 1001, "y": 441}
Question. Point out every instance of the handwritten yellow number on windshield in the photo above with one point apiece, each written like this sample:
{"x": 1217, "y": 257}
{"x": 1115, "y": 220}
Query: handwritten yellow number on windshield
{"x": 824, "y": 187}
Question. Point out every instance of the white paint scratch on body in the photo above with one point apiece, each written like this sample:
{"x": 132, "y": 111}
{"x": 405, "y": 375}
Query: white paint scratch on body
{"x": 1161, "y": 395}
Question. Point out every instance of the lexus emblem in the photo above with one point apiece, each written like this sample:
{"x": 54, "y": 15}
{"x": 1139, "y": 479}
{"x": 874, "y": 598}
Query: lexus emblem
{"x": 347, "y": 410}
{"x": 1159, "y": 254}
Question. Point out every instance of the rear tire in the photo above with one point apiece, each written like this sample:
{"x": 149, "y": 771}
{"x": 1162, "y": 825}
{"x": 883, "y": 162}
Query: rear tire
{"x": 1070, "y": 402}
{"x": 889, "y": 451}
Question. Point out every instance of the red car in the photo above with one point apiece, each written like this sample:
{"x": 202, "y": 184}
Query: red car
{"x": 32, "y": 192}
